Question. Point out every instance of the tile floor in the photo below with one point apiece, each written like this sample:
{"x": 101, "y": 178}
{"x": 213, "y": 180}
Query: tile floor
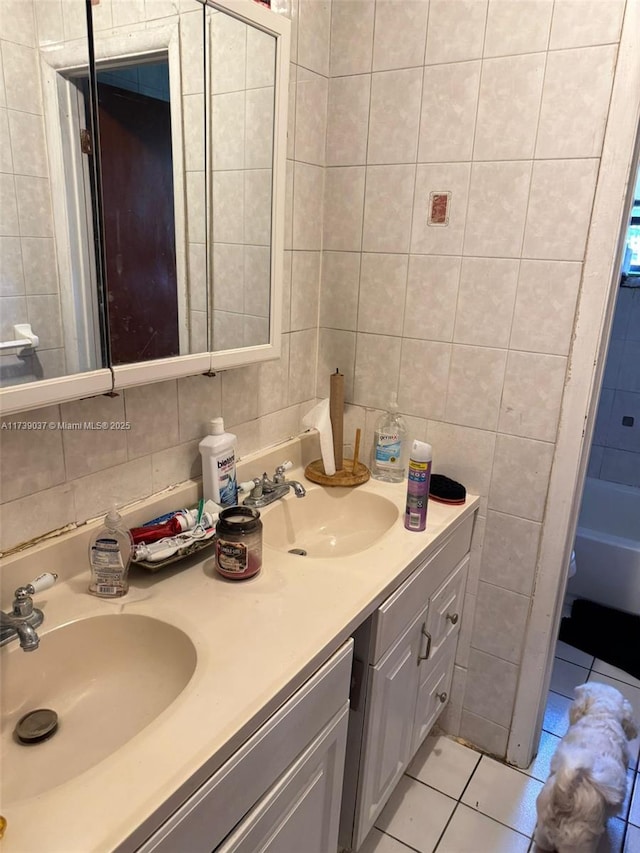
{"x": 455, "y": 800}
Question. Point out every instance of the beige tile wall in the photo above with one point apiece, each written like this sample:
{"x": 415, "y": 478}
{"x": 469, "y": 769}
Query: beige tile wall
{"x": 470, "y": 323}
{"x": 501, "y": 103}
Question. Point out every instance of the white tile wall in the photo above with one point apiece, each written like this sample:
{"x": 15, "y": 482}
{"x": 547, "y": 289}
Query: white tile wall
{"x": 466, "y": 99}
{"x": 490, "y": 297}
{"x": 615, "y": 452}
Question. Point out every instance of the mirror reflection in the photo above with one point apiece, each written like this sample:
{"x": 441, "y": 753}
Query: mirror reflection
{"x": 187, "y": 184}
{"x": 145, "y": 315}
{"x": 241, "y": 61}
{"x": 150, "y": 96}
{"x": 44, "y": 61}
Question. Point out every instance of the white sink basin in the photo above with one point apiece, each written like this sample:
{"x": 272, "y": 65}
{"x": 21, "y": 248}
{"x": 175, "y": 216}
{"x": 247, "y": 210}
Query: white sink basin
{"x": 106, "y": 677}
{"x": 328, "y": 522}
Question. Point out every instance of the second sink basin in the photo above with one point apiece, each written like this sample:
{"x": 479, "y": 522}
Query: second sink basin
{"x": 328, "y": 522}
{"x": 106, "y": 677}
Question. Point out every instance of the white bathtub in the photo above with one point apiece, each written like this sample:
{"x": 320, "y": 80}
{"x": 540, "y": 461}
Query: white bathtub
{"x": 607, "y": 546}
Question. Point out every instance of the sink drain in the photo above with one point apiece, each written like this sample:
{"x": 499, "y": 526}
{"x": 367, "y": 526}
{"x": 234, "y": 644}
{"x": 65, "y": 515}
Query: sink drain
{"x": 36, "y": 726}
{"x": 300, "y": 552}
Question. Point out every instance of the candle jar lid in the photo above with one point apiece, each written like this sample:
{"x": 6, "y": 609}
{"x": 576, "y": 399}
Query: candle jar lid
{"x": 238, "y": 520}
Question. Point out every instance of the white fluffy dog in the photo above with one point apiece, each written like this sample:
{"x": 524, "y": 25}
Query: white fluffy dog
{"x": 588, "y": 781}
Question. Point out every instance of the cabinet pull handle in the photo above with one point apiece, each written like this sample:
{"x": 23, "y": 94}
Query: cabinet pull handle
{"x": 442, "y": 696}
{"x": 427, "y": 651}
{"x": 452, "y": 617}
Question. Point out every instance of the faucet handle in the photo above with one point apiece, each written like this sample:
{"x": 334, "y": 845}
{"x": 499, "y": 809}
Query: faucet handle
{"x": 39, "y": 584}
{"x": 22, "y": 603}
{"x": 279, "y": 475}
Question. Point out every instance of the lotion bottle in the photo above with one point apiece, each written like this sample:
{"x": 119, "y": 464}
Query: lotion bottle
{"x": 418, "y": 480}
{"x": 110, "y": 551}
{"x": 388, "y": 460}
{"x": 219, "y": 482}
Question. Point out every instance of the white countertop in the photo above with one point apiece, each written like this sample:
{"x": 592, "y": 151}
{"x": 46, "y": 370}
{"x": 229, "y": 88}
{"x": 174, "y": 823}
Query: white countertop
{"x": 257, "y": 641}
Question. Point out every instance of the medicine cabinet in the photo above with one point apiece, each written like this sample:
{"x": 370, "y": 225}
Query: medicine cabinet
{"x": 169, "y": 263}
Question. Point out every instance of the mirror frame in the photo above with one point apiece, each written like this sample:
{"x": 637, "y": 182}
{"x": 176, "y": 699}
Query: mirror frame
{"x": 63, "y": 389}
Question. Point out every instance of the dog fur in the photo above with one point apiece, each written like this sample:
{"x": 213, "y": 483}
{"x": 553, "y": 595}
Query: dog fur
{"x": 588, "y": 778}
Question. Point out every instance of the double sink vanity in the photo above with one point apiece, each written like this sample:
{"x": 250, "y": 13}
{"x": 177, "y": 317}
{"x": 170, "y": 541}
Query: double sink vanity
{"x": 200, "y": 714}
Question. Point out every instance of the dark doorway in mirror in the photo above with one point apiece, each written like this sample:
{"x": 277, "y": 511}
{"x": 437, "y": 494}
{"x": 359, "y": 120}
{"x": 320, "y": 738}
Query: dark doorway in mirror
{"x": 138, "y": 215}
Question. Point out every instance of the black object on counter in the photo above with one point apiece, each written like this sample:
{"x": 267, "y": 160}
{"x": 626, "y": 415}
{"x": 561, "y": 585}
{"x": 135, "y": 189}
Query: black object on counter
{"x": 446, "y": 490}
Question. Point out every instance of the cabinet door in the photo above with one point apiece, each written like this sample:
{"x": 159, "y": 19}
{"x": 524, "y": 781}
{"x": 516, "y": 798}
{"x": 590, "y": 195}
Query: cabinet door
{"x": 445, "y": 608}
{"x": 211, "y": 813}
{"x": 433, "y": 692}
{"x": 391, "y": 699}
{"x": 302, "y": 810}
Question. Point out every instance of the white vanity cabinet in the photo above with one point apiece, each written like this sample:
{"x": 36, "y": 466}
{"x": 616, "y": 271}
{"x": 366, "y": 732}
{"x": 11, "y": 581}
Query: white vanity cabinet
{"x": 407, "y": 651}
{"x": 281, "y": 791}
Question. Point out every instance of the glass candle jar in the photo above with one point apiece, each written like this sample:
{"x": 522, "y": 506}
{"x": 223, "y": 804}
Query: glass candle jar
{"x": 239, "y": 542}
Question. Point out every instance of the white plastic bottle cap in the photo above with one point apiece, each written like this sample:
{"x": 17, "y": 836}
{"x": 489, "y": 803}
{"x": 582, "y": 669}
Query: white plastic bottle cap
{"x": 217, "y": 426}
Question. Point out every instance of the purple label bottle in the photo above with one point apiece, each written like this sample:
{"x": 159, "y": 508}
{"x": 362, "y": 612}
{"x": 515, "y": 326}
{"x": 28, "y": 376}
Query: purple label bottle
{"x": 419, "y": 475}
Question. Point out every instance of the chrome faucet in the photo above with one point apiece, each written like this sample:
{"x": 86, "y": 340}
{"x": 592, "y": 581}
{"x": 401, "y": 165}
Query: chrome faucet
{"x": 24, "y": 617}
{"x": 266, "y": 491}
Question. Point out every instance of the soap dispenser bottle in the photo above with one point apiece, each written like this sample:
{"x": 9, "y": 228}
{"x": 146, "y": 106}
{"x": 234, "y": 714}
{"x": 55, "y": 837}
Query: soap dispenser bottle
{"x": 110, "y": 551}
{"x": 389, "y": 457}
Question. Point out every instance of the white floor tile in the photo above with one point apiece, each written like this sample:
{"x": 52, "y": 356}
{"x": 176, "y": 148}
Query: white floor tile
{"x": 565, "y": 676}
{"x": 416, "y": 815}
{"x": 444, "y": 764}
{"x": 614, "y": 672}
{"x": 573, "y": 655}
{"x": 632, "y": 840}
{"x": 378, "y": 842}
{"x": 556, "y": 715}
{"x": 634, "y": 814}
{"x": 472, "y": 832}
{"x": 539, "y": 767}
{"x": 504, "y": 794}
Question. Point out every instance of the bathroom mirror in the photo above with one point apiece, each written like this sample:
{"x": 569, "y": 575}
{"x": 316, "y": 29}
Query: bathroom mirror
{"x": 190, "y": 294}
{"x": 51, "y": 338}
{"x": 246, "y": 91}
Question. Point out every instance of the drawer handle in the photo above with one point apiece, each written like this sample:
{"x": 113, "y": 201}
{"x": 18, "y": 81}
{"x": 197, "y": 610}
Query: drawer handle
{"x": 442, "y": 696}
{"x": 453, "y": 618}
{"x": 427, "y": 651}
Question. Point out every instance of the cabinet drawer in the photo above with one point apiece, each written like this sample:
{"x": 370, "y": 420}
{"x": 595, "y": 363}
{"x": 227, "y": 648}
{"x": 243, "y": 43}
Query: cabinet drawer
{"x": 399, "y": 609}
{"x": 434, "y": 690}
{"x": 214, "y": 809}
{"x": 445, "y": 608}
